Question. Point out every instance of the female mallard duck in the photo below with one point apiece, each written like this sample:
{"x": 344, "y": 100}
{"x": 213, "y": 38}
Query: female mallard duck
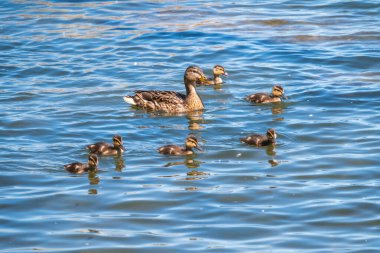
{"x": 79, "y": 168}
{"x": 190, "y": 143}
{"x": 171, "y": 101}
{"x": 102, "y": 148}
{"x": 276, "y": 96}
{"x": 218, "y": 70}
{"x": 261, "y": 140}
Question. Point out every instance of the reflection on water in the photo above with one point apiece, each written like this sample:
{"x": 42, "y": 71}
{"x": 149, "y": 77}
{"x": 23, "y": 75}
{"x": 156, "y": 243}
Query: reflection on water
{"x": 119, "y": 163}
{"x": 195, "y": 120}
{"x": 196, "y": 175}
{"x": 93, "y": 178}
{"x": 273, "y": 163}
{"x": 65, "y": 66}
{"x": 278, "y": 108}
{"x": 188, "y": 162}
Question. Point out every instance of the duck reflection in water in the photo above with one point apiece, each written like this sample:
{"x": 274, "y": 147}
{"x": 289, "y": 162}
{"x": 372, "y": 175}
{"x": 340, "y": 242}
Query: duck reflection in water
{"x": 93, "y": 180}
{"x": 119, "y": 163}
{"x": 278, "y": 108}
{"x": 271, "y": 151}
{"x": 189, "y": 162}
{"x": 195, "y": 120}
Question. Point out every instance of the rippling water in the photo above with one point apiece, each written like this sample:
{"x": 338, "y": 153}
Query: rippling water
{"x": 65, "y": 66}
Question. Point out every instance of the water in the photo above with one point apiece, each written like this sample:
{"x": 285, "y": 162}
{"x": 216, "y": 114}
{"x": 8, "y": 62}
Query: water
{"x": 65, "y": 66}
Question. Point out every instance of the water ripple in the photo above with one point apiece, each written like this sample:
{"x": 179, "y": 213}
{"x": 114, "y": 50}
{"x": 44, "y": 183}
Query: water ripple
{"x": 65, "y": 66}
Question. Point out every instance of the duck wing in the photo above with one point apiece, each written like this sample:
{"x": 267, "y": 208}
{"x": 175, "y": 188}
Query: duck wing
{"x": 258, "y": 98}
{"x": 158, "y": 100}
{"x": 98, "y": 148}
{"x": 170, "y": 150}
{"x": 254, "y": 139}
{"x": 76, "y": 168}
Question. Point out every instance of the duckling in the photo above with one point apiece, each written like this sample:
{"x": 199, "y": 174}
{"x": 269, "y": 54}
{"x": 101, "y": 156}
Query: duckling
{"x": 190, "y": 143}
{"x": 276, "y": 96}
{"x": 80, "y": 168}
{"x": 261, "y": 140}
{"x": 171, "y": 101}
{"x": 218, "y": 70}
{"x": 102, "y": 148}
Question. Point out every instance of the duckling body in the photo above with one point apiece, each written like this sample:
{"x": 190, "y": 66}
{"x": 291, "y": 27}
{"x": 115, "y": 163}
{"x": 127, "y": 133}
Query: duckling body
{"x": 218, "y": 70}
{"x": 261, "y": 140}
{"x": 80, "y": 168}
{"x": 275, "y": 96}
{"x": 103, "y": 148}
{"x": 190, "y": 143}
{"x": 171, "y": 101}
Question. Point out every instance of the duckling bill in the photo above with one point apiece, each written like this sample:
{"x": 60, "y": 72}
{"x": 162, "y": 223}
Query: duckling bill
{"x": 172, "y": 101}
{"x": 80, "y": 168}
{"x": 190, "y": 143}
{"x": 103, "y": 148}
{"x": 276, "y": 96}
{"x": 261, "y": 140}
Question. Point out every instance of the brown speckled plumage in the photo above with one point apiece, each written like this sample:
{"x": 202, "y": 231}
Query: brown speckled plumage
{"x": 190, "y": 143}
{"x": 261, "y": 140}
{"x": 103, "y": 148}
{"x": 79, "y": 168}
{"x": 171, "y": 101}
{"x": 275, "y": 96}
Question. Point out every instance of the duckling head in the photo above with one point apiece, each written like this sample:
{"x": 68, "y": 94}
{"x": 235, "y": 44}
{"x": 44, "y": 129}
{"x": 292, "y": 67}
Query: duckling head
{"x": 271, "y": 134}
{"x": 117, "y": 141}
{"x": 93, "y": 160}
{"x": 219, "y": 70}
{"x": 278, "y": 91}
{"x": 194, "y": 74}
{"x": 192, "y": 142}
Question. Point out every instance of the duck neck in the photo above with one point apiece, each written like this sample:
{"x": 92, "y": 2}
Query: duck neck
{"x": 92, "y": 167}
{"x": 188, "y": 150}
{"x": 217, "y": 79}
{"x": 119, "y": 149}
{"x": 193, "y": 101}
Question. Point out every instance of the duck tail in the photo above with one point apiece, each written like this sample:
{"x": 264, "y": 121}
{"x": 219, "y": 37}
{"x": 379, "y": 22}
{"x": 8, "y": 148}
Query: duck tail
{"x": 129, "y": 100}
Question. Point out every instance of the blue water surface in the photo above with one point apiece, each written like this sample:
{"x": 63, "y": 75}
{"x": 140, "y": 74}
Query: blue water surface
{"x": 66, "y": 65}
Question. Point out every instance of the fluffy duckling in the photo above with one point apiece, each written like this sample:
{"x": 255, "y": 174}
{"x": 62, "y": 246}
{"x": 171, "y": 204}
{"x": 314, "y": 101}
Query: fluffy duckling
{"x": 190, "y": 143}
{"x": 102, "y": 148}
{"x": 218, "y": 70}
{"x": 276, "y": 96}
{"x": 171, "y": 101}
{"x": 80, "y": 168}
{"x": 261, "y": 140}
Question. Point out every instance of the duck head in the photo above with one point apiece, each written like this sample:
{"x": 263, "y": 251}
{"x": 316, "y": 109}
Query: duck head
{"x": 117, "y": 141}
{"x": 93, "y": 160}
{"x": 271, "y": 134}
{"x": 219, "y": 70}
{"x": 192, "y": 142}
{"x": 194, "y": 74}
{"x": 278, "y": 91}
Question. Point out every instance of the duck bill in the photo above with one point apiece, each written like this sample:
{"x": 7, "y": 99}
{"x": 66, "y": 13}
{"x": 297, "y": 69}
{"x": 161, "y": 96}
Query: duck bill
{"x": 203, "y": 79}
{"x": 199, "y": 148}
